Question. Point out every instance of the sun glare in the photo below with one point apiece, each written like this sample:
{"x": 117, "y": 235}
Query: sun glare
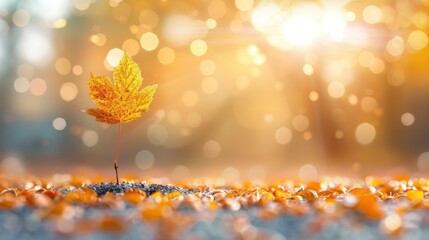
{"x": 301, "y": 29}
{"x": 300, "y": 26}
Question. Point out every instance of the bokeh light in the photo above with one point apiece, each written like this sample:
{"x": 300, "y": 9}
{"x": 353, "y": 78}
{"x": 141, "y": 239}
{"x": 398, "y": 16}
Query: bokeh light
{"x": 77, "y": 70}
{"x": 149, "y": 41}
{"x": 407, "y": 119}
{"x": 244, "y": 5}
{"x": 166, "y": 55}
{"x": 418, "y": 40}
{"x": 131, "y": 46}
{"x": 372, "y": 14}
{"x": 12, "y": 166}
{"x": 283, "y": 135}
{"x": 144, "y": 159}
{"x": 365, "y": 133}
{"x": 392, "y": 223}
{"x": 114, "y": 56}
{"x": 336, "y": 89}
{"x": 300, "y": 123}
{"x": 198, "y": 47}
{"x": 211, "y": 149}
{"x": 21, "y": 17}
{"x": 59, "y": 124}
{"x": 35, "y": 47}
{"x": 21, "y": 85}
{"x": 314, "y": 96}
{"x": 90, "y": 138}
{"x": 68, "y": 91}
{"x": 81, "y": 5}
{"x": 276, "y": 98}
{"x": 423, "y": 161}
{"x": 98, "y": 39}
{"x": 63, "y": 66}
{"x": 296, "y": 83}
{"x": 207, "y": 67}
{"x": 38, "y": 87}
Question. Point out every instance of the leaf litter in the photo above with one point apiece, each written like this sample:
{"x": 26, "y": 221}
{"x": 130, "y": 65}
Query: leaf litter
{"x": 77, "y": 208}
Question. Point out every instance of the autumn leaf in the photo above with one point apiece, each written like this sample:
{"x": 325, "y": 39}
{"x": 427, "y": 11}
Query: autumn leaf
{"x": 121, "y": 101}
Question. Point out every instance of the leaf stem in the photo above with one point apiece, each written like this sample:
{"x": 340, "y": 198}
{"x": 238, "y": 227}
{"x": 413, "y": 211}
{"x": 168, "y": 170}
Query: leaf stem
{"x": 118, "y": 147}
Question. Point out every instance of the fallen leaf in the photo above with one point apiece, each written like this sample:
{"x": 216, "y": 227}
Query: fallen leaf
{"x": 112, "y": 224}
{"x": 415, "y": 195}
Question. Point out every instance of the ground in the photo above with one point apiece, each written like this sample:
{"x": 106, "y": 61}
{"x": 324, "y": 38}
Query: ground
{"x": 376, "y": 208}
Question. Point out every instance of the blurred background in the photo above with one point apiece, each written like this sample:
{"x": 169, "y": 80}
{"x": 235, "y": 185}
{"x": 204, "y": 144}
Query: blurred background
{"x": 247, "y": 88}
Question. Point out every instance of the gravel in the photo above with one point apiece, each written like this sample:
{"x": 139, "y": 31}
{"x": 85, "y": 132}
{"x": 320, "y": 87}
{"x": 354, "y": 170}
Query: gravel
{"x": 105, "y": 187}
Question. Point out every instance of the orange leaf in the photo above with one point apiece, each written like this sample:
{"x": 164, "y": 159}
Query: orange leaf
{"x": 122, "y": 100}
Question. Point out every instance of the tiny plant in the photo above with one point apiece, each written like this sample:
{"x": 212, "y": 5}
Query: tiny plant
{"x": 120, "y": 101}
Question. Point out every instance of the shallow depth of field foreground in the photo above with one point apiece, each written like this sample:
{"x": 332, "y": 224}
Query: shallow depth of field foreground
{"x": 214, "y": 119}
{"x": 333, "y": 208}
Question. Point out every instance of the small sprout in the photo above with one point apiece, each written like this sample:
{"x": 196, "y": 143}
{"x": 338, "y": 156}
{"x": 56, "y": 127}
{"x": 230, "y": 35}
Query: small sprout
{"x": 121, "y": 101}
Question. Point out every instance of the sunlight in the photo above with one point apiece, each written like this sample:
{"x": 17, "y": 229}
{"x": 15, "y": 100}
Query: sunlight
{"x": 300, "y": 26}
{"x": 334, "y": 23}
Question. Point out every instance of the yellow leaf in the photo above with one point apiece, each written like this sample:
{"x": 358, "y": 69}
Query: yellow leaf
{"x": 415, "y": 195}
{"x": 122, "y": 100}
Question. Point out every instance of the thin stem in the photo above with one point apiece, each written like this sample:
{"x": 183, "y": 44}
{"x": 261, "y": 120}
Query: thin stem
{"x": 118, "y": 147}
